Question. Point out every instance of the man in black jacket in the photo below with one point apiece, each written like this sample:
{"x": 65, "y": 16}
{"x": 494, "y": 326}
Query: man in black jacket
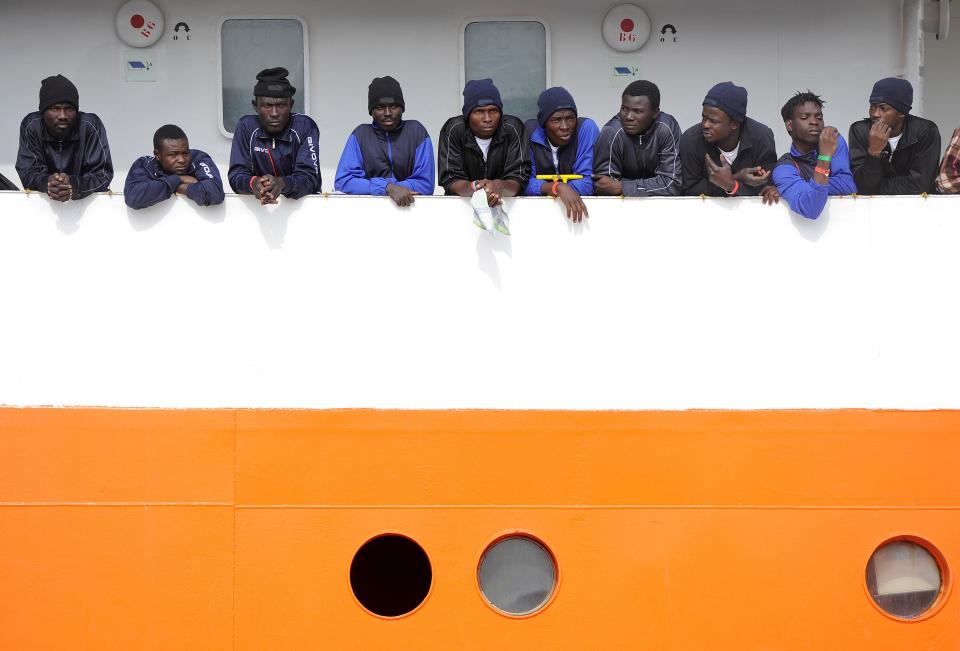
{"x": 483, "y": 148}
{"x": 893, "y": 152}
{"x": 63, "y": 151}
{"x": 727, "y": 153}
{"x": 638, "y": 151}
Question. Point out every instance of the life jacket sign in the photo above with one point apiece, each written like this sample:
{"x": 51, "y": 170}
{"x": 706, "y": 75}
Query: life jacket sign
{"x": 626, "y": 28}
{"x": 139, "y": 23}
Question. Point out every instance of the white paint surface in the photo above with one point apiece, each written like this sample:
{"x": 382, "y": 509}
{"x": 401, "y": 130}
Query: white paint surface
{"x": 773, "y": 47}
{"x": 351, "y": 302}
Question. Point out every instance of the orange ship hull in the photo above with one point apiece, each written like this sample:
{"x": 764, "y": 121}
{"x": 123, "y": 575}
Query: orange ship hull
{"x": 156, "y": 529}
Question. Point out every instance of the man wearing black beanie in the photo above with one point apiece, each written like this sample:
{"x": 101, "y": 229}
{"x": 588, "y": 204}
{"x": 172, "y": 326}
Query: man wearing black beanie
{"x": 63, "y": 151}
{"x": 892, "y": 151}
{"x": 274, "y": 152}
{"x": 390, "y": 156}
{"x": 727, "y": 153}
{"x": 482, "y": 148}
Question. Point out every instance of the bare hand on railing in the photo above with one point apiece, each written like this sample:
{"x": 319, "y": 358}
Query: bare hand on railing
{"x": 494, "y": 189}
{"x": 267, "y": 188}
{"x": 576, "y": 209}
{"x": 185, "y": 181}
{"x": 402, "y": 196}
{"x": 770, "y": 195}
{"x": 607, "y": 185}
{"x": 58, "y": 187}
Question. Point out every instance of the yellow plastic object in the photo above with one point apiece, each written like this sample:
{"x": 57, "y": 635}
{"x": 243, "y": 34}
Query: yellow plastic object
{"x": 564, "y": 178}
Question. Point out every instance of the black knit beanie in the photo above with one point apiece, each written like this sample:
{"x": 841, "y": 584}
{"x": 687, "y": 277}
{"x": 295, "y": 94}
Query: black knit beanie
{"x": 552, "y": 100}
{"x": 272, "y": 82}
{"x": 898, "y": 93}
{"x": 58, "y": 90}
{"x": 480, "y": 92}
{"x": 384, "y": 90}
{"x": 729, "y": 98}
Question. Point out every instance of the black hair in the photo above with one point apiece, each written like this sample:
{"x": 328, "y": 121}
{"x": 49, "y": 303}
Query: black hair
{"x": 167, "y": 132}
{"x": 800, "y": 98}
{"x": 644, "y": 88}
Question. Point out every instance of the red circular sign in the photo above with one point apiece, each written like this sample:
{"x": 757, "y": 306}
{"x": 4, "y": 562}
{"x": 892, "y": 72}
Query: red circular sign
{"x": 626, "y": 25}
{"x": 136, "y": 21}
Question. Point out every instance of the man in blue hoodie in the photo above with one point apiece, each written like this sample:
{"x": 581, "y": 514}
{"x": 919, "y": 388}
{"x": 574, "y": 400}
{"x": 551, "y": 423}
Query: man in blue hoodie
{"x": 391, "y": 156}
{"x": 561, "y": 143}
{"x": 173, "y": 168}
{"x": 275, "y": 151}
{"x": 818, "y": 164}
{"x": 63, "y": 151}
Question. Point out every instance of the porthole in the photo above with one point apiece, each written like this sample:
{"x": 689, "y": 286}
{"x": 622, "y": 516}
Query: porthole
{"x": 905, "y": 578}
{"x": 390, "y": 575}
{"x": 517, "y": 575}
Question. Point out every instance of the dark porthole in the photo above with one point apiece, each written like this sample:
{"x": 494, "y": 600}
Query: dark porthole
{"x": 904, "y": 579}
{"x": 517, "y": 575}
{"x": 390, "y": 575}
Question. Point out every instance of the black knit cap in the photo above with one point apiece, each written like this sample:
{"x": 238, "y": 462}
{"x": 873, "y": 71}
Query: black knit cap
{"x": 272, "y": 82}
{"x": 58, "y": 90}
{"x": 729, "y": 98}
{"x": 384, "y": 90}
{"x": 897, "y": 93}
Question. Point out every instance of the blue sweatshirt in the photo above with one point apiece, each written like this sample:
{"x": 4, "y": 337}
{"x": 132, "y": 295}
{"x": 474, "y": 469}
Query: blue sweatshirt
{"x": 84, "y": 155}
{"x": 147, "y": 184}
{"x": 576, "y": 157}
{"x": 374, "y": 158}
{"x": 793, "y": 176}
{"x": 292, "y": 155}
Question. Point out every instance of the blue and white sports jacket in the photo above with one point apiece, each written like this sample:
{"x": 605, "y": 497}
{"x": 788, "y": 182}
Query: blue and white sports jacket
{"x": 373, "y": 158}
{"x": 292, "y": 155}
{"x": 147, "y": 183}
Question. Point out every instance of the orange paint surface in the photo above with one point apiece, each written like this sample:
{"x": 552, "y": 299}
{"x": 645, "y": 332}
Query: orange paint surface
{"x": 673, "y": 530}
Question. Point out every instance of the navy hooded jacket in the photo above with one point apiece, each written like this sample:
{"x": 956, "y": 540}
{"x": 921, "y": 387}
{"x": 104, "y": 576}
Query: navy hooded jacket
{"x": 374, "y": 158}
{"x": 291, "y": 155}
{"x": 576, "y": 157}
{"x": 84, "y": 155}
{"x": 147, "y": 183}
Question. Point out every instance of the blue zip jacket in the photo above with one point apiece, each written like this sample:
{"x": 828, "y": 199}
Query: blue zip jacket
{"x": 291, "y": 155}
{"x": 576, "y": 157}
{"x": 84, "y": 155}
{"x": 793, "y": 176}
{"x": 147, "y": 183}
{"x": 374, "y": 158}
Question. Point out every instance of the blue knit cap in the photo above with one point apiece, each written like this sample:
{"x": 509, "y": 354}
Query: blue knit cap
{"x": 480, "y": 92}
{"x": 898, "y": 93}
{"x": 729, "y": 98}
{"x": 552, "y": 100}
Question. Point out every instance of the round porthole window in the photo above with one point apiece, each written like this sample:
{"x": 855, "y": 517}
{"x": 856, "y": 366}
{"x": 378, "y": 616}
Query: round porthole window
{"x": 390, "y": 575}
{"x": 517, "y": 575}
{"x": 904, "y": 579}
